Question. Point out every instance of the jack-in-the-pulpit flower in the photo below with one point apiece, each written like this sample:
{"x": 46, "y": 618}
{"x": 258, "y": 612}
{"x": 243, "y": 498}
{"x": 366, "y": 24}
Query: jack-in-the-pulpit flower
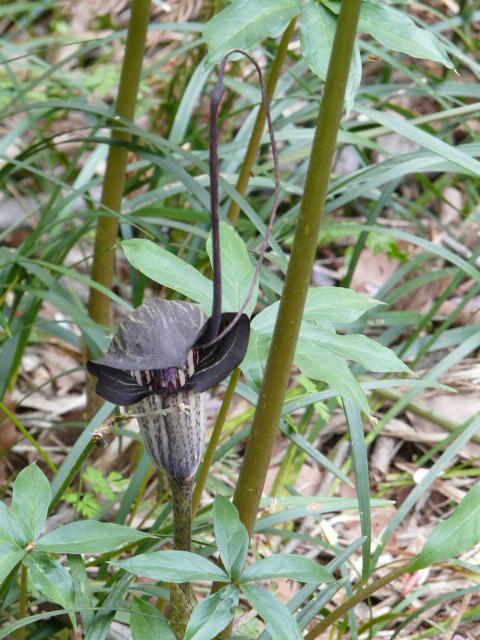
{"x": 156, "y": 361}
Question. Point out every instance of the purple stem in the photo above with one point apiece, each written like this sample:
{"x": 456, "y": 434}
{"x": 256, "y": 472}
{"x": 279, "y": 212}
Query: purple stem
{"x": 211, "y": 336}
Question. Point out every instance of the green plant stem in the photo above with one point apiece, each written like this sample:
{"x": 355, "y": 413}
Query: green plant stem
{"x": 280, "y": 358}
{"x": 354, "y": 600}
{"x": 258, "y": 127}
{"x": 22, "y": 605}
{"x": 114, "y": 180}
{"x": 182, "y": 597}
{"x": 215, "y": 437}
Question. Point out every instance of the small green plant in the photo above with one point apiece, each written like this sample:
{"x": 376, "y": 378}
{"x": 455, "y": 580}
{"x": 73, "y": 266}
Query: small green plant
{"x": 23, "y": 545}
{"x": 86, "y": 502}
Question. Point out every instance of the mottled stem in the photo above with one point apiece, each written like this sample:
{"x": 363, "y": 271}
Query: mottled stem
{"x": 182, "y": 597}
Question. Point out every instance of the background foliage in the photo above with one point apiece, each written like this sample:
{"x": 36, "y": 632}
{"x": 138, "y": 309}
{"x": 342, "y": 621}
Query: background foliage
{"x": 400, "y": 237}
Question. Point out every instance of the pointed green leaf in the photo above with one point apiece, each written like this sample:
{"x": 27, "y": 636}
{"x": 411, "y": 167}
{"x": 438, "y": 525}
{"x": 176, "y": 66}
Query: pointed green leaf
{"x": 165, "y": 268}
{"x": 369, "y": 353}
{"x": 278, "y": 619}
{"x": 10, "y": 531}
{"x": 146, "y": 622}
{"x": 173, "y": 566}
{"x": 455, "y": 534}
{"x": 237, "y": 270}
{"x": 31, "y": 497}
{"x": 213, "y": 614}
{"x": 230, "y": 535}
{"x": 395, "y": 30}
{"x": 319, "y": 363}
{"x": 10, "y": 556}
{"x": 50, "y": 578}
{"x": 287, "y": 565}
{"x": 88, "y": 536}
{"x": 317, "y": 30}
{"x": 244, "y": 23}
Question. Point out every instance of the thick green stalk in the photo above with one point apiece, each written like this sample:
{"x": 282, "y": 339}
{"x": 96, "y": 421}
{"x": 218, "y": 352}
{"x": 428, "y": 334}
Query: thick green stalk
{"x": 258, "y": 127}
{"x": 182, "y": 597}
{"x": 277, "y": 371}
{"x": 114, "y": 180}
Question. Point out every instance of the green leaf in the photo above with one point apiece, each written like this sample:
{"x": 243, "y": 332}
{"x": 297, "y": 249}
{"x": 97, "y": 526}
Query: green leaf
{"x": 456, "y": 534}
{"x": 317, "y": 30}
{"x": 323, "y": 304}
{"x": 146, "y": 622}
{"x": 244, "y": 23}
{"x": 10, "y": 532}
{"x": 173, "y": 566}
{"x": 165, "y": 268}
{"x": 320, "y": 363}
{"x": 230, "y": 535}
{"x": 278, "y": 619}
{"x": 50, "y": 578}
{"x": 237, "y": 270}
{"x": 395, "y": 30}
{"x": 88, "y": 536}
{"x": 213, "y": 614}
{"x": 369, "y": 353}
{"x": 10, "y": 556}
{"x": 287, "y": 565}
{"x": 31, "y": 497}
{"x": 253, "y": 365}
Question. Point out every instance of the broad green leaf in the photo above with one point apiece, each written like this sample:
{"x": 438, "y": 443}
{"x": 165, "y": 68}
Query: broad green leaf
{"x": 30, "y": 500}
{"x": 50, "y": 578}
{"x": 455, "y": 534}
{"x": 173, "y": 566}
{"x": 317, "y": 30}
{"x": 314, "y": 360}
{"x": 286, "y": 565}
{"x": 278, "y": 619}
{"x": 230, "y": 535}
{"x": 146, "y": 622}
{"x": 213, "y": 614}
{"x": 162, "y": 266}
{"x": 237, "y": 270}
{"x": 10, "y": 556}
{"x": 320, "y": 363}
{"x": 323, "y": 304}
{"x": 10, "y": 531}
{"x": 253, "y": 364}
{"x": 88, "y": 536}
{"x": 369, "y": 353}
{"x": 395, "y": 30}
{"x": 244, "y": 23}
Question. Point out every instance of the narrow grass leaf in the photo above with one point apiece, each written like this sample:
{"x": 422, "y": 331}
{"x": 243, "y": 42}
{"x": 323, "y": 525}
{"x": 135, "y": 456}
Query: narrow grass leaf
{"x": 173, "y": 566}
{"x": 31, "y": 497}
{"x": 278, "y": 619}
{"x": 455, "y": 534}
{"x": 89, "y": 536}
{"x": 108, "y": 609}
{"x": 81, "y": 588}
{"x": 286, "y": 565}
{"x": 213, "y": 614}
{"x": 360, "y": 467}
{"x": 146, "y": 621}
{"x": 230, "y": 535}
